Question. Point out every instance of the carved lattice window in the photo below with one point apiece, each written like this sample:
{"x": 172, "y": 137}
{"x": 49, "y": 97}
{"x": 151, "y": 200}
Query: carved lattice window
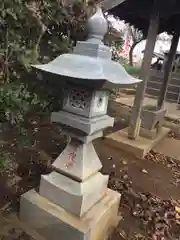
{"x": 78, "y": 98}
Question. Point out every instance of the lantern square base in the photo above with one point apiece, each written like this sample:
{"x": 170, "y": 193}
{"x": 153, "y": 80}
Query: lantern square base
{"x": 139, "y": 147}
{"x": 75, "y": 197}
{"x": 53, "y": 222}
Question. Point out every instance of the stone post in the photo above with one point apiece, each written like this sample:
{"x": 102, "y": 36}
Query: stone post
{"x": 135, "y": 121}
{"x": 73, "y": 202}
{"x": 168, "y": 70}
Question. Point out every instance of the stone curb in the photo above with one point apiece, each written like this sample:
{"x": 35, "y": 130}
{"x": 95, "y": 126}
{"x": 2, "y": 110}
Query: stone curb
{"x": 167, "y": 117}
{"x": 172, "y": 118}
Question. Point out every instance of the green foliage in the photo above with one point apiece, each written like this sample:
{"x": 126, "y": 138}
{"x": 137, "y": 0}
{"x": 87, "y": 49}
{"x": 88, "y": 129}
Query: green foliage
{"x": 4, "y": 159}
{"x": 134, "y": 71}
{"x": 114, "y": 39}
{"x": 15, "y": 102}
{"x": 116, "y": 48}
{"x": 32, "y": 32}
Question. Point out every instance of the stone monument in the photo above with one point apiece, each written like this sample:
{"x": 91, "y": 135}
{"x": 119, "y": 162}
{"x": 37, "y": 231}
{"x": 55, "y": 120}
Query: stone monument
{"x": 74, "y": 202}
{"x": 152, "y": 120}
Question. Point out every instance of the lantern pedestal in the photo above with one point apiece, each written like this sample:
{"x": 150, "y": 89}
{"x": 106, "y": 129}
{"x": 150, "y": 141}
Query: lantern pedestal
{"x": 53, "y": 222}
{"x": 73, "y": 202}
{"x": 139, "y": 147}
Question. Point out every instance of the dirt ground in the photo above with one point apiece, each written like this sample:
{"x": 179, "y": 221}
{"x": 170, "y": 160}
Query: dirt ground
{"x": 149, "y": 187}
{"x": 145, "y": 176}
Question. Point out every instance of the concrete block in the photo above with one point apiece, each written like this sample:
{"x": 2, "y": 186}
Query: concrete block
{"x": 150, "y": 117}
{"x": 92, "y": 49}
{"x": 78, "y": 160}
{"x": 139, "y": 147}
{"x": 53, "y": 222}
{"x": 75, "y": 197}
{"x": 73, "y": 133}
{"x": 86, "y": 125}
{"x": 150, "y": 134}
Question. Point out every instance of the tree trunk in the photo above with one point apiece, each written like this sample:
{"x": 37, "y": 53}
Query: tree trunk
{"x": 135, "y": 121}
{"x": 168, "y": 70}
{"x": 131, "y": 53}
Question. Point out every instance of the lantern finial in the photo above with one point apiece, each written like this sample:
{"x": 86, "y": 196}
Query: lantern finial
{"x": 97, "y": 26}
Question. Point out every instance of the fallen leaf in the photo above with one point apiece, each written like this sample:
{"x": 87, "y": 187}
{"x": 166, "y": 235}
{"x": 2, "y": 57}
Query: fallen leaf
{"x": 124, "y": 162}
{"x": 144, "y": 171}
{"x": 125, "y": 176}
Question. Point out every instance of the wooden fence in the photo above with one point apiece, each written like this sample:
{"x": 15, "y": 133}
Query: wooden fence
{"x": 154, "y": 85}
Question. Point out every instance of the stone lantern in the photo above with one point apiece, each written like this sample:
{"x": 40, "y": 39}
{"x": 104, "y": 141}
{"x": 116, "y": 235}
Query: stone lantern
{"x": 74, "y": 201}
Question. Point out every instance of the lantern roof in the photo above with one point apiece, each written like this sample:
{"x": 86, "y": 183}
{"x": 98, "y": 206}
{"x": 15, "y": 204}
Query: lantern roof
{"x": 91, "y": 59}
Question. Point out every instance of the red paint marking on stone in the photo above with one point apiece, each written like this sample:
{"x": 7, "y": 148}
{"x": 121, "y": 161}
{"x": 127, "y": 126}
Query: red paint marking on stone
{"x": 71, "y": 157}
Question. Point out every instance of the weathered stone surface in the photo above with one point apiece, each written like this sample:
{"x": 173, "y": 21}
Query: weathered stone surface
{"x": 78, "y": 160}
{"x": 82, "y": 137}
{"x": 73, "y": 202}
{"x": 77, "y": 65}
{"x": 150, "y": 134}
{"x": 139, "y": 147}
{"x": 53, "y": 222}
{"x": 85, "y": 102}
{"x": 75, "y": 197}
{"x": 150, "y": 117}
{"x": 89, "y": 126}
{"x": 92, "y": 49}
